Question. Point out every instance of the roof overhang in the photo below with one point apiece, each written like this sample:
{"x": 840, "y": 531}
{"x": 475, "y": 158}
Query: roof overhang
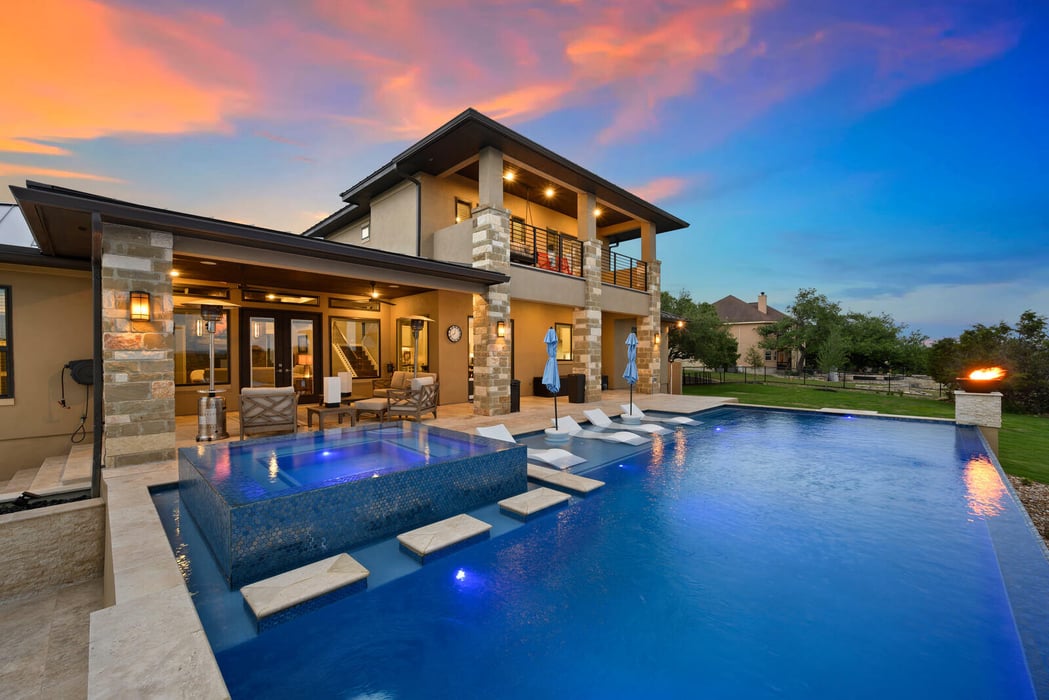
{"x": 463, "y": 138}
{"x": 60, "y": 220}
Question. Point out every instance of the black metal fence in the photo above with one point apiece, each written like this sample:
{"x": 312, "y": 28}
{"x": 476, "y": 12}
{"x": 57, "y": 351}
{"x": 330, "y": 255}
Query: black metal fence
{"x": 879, "y": 383}
{"x": 545, "y": 248}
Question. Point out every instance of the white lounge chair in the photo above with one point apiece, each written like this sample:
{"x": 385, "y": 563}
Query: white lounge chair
{"x": 569, "y": 424}
{"x": 562, "y": 459}
{"x": 601, "y": 420}
{"x": 630, "y": 409}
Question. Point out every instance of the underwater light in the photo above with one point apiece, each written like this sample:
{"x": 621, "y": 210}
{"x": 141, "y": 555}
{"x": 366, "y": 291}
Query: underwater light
{"x": 460, "y": 575}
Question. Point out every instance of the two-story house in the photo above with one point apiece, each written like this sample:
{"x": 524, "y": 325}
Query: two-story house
{"x": 487, "y": 235}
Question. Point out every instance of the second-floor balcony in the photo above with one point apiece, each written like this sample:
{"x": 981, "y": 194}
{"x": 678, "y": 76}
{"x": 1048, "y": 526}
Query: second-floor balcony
{"x": 548, "y": 249}
{"x": 545, "y": 248}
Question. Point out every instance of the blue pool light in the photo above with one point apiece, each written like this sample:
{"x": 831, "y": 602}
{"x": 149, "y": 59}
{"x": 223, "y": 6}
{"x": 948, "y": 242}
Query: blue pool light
{"x": 460, "y": 575}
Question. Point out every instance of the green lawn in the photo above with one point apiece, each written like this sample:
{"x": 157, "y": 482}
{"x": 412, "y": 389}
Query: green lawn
{"x": 1023, "y": 442}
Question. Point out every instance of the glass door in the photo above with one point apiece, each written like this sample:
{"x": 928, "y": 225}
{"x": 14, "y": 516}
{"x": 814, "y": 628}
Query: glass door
{"x": 280, "y": 348}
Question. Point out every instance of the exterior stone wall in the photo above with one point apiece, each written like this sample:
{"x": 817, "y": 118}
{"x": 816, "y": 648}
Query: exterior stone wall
{"x": 647, "y": 353}
{"x": 491, "y": 251}
{"x": 586, "y": 324}
{"x": 137, "y": 356}
{"x": 51, "y": 546}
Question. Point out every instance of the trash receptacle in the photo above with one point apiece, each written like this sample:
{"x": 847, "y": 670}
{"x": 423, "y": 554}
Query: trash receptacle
{"x": 604, "y": 382}
{"x": 515, "y": 396}
{"x": 576, "y": 386}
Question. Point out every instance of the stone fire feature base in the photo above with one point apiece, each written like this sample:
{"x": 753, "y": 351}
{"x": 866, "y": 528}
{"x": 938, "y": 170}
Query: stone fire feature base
{"x": 982, "y": 410}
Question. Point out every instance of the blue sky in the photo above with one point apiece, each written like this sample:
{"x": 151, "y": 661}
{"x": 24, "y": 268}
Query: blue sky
{"x": 889, "y": 154}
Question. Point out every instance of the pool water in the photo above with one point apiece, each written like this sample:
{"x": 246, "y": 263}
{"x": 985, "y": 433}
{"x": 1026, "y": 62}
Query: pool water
{"x": 762, "y": 554}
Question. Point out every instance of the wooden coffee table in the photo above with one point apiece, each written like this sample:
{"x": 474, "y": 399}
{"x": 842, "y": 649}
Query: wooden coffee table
{"x": 320, "y": 410}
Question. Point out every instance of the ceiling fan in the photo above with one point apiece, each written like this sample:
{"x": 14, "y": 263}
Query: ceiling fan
{"x": 374, "y": 296}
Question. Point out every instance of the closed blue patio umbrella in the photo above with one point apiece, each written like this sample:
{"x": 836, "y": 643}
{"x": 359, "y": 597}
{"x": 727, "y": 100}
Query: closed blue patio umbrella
{"x": 630, "y": 373}
{"x": 551, "y": 378}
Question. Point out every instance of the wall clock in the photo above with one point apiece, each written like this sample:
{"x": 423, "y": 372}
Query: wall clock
{"x": 455, "y": 333}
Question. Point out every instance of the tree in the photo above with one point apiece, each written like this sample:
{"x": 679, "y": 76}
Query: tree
{"x": 704, "y": 337}
{"x": 754, "y": 358}
{"x": 832, "y": 352}
{"x": 1023, "y": 351}
{"x": 811, "y": 318}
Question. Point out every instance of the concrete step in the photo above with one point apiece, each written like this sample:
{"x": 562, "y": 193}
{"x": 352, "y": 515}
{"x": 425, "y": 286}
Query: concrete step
{"x": 77, "y": 471}
{"x": 49, "y": 476}
{"x": 21, "y": 481}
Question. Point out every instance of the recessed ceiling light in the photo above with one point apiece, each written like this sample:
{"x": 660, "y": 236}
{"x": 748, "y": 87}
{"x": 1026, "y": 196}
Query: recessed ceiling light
{"x": 549, "y": 191}
{"x": 173, "y": 273}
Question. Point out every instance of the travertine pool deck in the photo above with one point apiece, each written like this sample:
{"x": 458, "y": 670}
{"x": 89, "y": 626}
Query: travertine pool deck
{"x": 148, "y": 641}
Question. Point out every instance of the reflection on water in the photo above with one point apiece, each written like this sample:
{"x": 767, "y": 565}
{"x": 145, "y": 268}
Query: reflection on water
{"x": 984, "y": 486}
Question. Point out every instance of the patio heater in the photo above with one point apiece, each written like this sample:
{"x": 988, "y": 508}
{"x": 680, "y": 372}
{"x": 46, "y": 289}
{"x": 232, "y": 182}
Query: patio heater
{"x": 211, "y": 408}
{"x": 417, "y": 325}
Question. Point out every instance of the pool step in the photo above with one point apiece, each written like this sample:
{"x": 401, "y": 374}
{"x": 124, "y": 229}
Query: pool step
{"x": 534, "y": 501}
{"x": 443, "y": 537}
{"x": 554, "y": 477}
{"x": 285, "y": 596}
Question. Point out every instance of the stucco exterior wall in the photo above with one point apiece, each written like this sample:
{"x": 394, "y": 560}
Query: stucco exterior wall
{"x": 531, "y": 321}
{"x": 51, "y": 325}
{"x": 746, "y": 335}
{"x": 391, "y": 222}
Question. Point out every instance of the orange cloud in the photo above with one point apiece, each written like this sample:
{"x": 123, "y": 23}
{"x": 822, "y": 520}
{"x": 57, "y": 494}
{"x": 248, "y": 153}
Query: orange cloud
{"x": 80, "y": 69}
{"x": 9, "y": 169}
{"x": 22, "y": 146}
{"x": 661, "y": 188}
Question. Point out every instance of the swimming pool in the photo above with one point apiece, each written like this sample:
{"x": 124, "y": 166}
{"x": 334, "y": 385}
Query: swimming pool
{"x": 764, "y": 553}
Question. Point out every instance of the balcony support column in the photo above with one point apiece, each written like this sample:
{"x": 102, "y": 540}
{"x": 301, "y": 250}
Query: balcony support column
{"x": 491, "y": 251}
{"x": 586, "y": 323}
{"x": 648, "y": 358}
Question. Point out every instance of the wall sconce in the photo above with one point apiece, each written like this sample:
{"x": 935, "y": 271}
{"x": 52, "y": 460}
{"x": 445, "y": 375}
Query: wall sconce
{"x": 680, "y": 324}
{"x": 139, "y": 306}
{"x": 500, "y": 329}
{"x": 656, "y": 338}
{"x": 199, "y": 330}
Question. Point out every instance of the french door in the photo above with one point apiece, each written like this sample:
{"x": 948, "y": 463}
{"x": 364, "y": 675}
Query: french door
{"x": 281, "y": 348}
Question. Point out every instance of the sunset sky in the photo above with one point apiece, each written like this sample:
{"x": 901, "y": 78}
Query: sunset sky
{"x": 891, "y": 154}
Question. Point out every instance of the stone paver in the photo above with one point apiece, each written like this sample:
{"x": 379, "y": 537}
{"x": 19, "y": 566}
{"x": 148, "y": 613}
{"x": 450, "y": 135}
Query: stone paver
{"x": 434, "y": 537}
{"x": 300, "y": 585}
{"x": 566, "y": 480}
{"x": 534, "y": 501}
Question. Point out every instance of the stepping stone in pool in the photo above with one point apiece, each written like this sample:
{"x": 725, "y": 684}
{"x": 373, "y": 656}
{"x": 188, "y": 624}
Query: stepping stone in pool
{"x": 443, "y": 537}
{"x": 282, "y": 597}
{"x": 554, "y": 477}
{"x": 531, "y": 502}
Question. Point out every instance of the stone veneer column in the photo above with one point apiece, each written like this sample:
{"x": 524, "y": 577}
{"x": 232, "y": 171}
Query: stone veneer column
{"x": 491, "y": 251}
{"x": 586, "y": 323}
{"x": 137, "y": 356}
{"x": 647, "y": 354}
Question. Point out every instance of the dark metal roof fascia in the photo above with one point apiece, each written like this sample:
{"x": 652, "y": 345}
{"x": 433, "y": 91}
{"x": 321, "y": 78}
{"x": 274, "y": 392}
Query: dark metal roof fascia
{"x": 24, "y": 255}
{"x": 332, "y": 223}
{"x": 116, "y": 211}
{"x": 471, "y": 114}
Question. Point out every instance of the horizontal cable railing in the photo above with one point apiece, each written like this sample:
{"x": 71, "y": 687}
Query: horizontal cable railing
{"x": 623, "y": 270}
{"x": 545, "y": 248}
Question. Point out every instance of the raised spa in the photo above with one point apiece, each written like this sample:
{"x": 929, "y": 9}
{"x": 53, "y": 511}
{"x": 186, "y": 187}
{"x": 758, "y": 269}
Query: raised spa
{"x": 270, "y": 505}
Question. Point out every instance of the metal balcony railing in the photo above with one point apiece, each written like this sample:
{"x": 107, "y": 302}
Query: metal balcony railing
{"x": 623, "y": 270}
{"x": 546, "y": 249}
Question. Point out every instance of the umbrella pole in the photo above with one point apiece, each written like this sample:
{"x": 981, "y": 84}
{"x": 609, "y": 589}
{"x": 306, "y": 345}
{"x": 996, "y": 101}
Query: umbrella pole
{"x": 556, "y": 426}
{"x": 631, "y": 398}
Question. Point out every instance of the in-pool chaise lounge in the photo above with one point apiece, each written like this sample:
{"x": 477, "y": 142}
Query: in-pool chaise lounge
{"x": 562, "y": 459}
{"x": 600, "y": 420}
{"x": 630, "y": 409}
{"x": 568, "y": 424}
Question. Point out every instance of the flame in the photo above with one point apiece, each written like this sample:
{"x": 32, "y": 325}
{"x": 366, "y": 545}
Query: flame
{"x": 987, "y": 373}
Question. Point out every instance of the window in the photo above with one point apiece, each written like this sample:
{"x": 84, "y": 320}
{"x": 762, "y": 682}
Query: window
{"x": 366, "y": 231}
{"x": 564, "y": 340}
{"x": 191, "y": 348}
{"x": 462, "y": 210}
{"x": 355, "y": 347}
{"x": 768, "y": 355}
{"x": 7, "y": 389}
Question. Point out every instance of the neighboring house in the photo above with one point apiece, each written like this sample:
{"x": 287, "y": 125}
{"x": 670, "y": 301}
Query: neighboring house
{"x": 744, "y": 319}
{"x": 485, "y": 232}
